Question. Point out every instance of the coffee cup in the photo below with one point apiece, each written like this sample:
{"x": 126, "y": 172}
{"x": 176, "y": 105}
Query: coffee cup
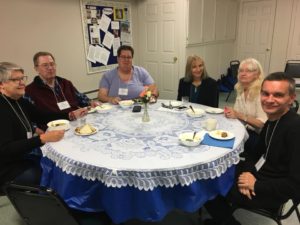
{"x": 210, "y": 124}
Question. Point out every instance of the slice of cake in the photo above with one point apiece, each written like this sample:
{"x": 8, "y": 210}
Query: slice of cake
{"x": 86, "y": 129}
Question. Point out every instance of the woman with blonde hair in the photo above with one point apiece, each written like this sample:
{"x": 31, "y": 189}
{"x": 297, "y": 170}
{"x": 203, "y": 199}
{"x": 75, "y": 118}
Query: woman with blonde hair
{"x": 247, "y": 107}
{"x": 197, "y": 85}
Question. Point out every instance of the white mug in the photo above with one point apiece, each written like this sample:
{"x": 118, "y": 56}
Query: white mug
{"x": 210, "y": 124}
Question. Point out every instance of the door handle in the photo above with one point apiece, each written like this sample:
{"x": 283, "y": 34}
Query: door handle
{"x": 175, "y": 59}
{"x": 268, "y": 49}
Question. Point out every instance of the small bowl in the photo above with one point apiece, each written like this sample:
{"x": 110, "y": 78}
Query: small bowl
{"x": 59, "y": 125}
{"x": 176, "y": 103}
{"x": 126, "y": 103}
{"x": 104, "y": 108}
{"x": 187, "y": 139}
{"x": 198, "y": 112}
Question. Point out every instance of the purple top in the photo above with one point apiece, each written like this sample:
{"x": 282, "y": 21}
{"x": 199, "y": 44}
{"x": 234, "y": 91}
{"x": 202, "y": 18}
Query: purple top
{"x": 135, "y": 86}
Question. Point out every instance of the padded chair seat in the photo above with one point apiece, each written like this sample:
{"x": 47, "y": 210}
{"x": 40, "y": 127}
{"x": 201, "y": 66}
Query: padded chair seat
{"x": 277, "y": 214}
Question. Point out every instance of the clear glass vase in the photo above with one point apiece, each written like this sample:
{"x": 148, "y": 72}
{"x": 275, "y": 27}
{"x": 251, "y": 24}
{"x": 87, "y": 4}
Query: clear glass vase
{"x": 146, "y": 117}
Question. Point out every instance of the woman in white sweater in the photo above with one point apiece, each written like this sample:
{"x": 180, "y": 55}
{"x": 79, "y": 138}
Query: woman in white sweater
{"x": 247, "y": 107}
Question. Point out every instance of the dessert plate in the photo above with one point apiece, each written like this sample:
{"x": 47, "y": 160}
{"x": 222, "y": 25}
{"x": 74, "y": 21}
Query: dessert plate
{"x": 221, "y": 135}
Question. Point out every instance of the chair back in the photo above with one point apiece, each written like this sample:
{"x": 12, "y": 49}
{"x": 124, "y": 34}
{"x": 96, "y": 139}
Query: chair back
{"x": 39, "y": 206}
{"x": 292, "y": 68}
{"x": 234, "y": 67}
{"x": 295, "y": 106}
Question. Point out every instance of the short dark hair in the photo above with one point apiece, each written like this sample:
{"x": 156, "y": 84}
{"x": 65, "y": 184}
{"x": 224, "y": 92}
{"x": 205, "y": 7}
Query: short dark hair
{"x": 281, "y": 76}
{"x": 39, "y": 54}
{"x": 125, "y": 48}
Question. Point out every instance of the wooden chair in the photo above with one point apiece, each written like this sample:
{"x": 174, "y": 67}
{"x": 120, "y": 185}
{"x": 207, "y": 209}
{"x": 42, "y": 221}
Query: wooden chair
{"x": 279, "y": 214}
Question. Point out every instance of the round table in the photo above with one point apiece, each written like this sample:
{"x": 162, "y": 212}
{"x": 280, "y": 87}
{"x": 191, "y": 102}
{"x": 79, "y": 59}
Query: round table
{"x": 132, "y": 169}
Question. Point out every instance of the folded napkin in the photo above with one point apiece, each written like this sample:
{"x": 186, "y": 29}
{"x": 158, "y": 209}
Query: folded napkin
{"x": 217, "y": 143}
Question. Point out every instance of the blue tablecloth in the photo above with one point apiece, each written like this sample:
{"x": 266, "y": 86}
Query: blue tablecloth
{"x": 136, "y": 170}
{"x": 125, "y": 203}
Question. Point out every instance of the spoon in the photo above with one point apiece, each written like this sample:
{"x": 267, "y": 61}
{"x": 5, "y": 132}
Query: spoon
{"x": 192, "y": 109}
{"x": 189, "y": 139}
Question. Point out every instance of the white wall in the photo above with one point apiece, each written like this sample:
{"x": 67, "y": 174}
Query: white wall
{"x": 212, "y": 33}
{"x": 215, "y": 55}
{"x": 48, "y": 25}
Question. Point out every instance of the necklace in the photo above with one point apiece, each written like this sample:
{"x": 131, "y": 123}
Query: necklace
{"x": 23, "y": 120}
{"x": 270, "y": 140}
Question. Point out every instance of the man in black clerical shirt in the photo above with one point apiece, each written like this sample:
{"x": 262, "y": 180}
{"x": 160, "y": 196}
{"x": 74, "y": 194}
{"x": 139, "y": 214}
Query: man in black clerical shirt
{"x": 272, "y": 176}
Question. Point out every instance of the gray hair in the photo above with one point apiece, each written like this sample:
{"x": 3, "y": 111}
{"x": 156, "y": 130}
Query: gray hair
{"x": 6, "y": 69}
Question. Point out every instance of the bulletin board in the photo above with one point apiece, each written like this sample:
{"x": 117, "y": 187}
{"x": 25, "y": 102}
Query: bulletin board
{"x": 106, "y": 26}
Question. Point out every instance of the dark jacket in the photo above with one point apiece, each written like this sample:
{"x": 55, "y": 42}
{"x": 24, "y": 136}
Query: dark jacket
{"x": 279, "y": 177}
{"x": 208, "y": 92}
{"x": 45, "y": 99}
{"x": 14, "y": 144}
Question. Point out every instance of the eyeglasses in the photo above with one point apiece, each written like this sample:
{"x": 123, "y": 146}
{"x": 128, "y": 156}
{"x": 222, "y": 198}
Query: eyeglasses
{"x": 125, "y": 57}
{"x": 19, "y": 79}
{"x": 48, "y": 65}
{"x": 246, "y": 70}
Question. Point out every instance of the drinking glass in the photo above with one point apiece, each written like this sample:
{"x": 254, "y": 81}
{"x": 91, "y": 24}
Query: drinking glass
{"x": 185, "y": 99}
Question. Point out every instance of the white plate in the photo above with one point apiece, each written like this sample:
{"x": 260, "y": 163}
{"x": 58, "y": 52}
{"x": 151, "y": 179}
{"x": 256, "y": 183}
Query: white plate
{"x": 103, "y": 108}
{"x": 216, "y": 134}
{"x": 214, "y": 110}
{"x": 126, "y": 103}
{"x": 79, "y": 134}
{"x": 59, "y": 125}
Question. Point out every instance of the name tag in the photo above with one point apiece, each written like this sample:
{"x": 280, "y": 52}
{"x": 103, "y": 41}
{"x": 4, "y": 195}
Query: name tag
{"x": 29, "y": 135}
{"x": 123, "y": 91}
{"x": 63, "y": 105}
{"x": 260, "y": 163}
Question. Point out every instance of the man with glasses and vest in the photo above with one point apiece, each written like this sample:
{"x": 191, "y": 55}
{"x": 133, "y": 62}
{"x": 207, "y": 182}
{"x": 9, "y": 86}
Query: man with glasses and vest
{"x": 51, "y": 93}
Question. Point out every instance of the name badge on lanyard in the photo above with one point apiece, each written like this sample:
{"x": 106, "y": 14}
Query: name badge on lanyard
{"x": 63, "y": 105}
{"x": 123, "y": 91}
{"x": 29, "y": 135}
{"x": 260, "y": 163}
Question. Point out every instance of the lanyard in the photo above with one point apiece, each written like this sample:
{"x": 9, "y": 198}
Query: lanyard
{"x": 54, "y": 93}
{"x": 23, "y": 120}
{"x": 271, "y": 137}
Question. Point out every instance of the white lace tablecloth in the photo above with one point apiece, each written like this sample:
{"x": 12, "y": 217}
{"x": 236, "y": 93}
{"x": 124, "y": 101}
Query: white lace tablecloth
{"x": 126, "y": 151}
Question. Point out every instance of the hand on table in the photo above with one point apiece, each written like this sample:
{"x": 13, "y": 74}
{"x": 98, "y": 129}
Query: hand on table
{"x": 52, "y": 136}
{"x": 115, "y": 100}
{"x": 95, "y": 103}
{"x": 230, "y": 112}
{"x": 78, "y": 113}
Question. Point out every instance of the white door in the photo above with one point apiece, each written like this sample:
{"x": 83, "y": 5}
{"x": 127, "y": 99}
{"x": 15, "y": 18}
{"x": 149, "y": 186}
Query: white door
{"x": 256, "y": 31}
{"x": 162, "y": 42}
